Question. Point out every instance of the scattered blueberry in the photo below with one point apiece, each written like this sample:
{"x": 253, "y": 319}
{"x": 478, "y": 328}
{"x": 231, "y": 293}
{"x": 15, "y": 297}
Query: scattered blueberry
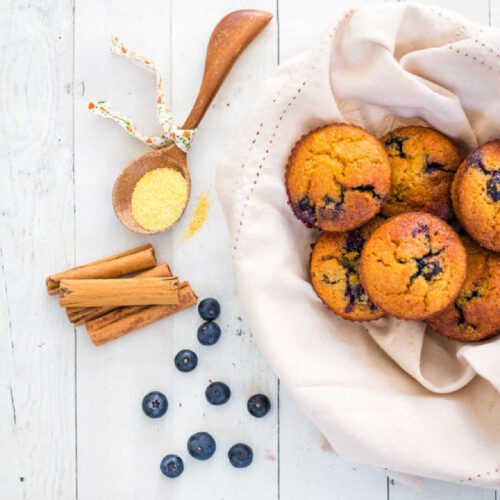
{"x": 218, "y": 393}
{"x": 172, "y": 466}
{"x": 154, "y": 404}
{"x": 208, "y": 333}
{"x": 258, "y": 405}
{"x": 186, "y": 360}
{"x": 201, "y": 446}
{"x": 240, "y": 455}
{"x": 209, "y": 309}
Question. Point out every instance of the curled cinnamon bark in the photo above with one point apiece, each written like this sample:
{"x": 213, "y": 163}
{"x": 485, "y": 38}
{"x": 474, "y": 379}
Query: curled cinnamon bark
{"x": 80, "y": 315}
{"x": 115, "y": 266}
{"x": 119, "y": 292}
{"x": 124, "y": 320}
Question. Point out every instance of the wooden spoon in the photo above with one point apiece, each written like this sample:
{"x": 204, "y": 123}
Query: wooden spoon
{"x": 228, "y": 40}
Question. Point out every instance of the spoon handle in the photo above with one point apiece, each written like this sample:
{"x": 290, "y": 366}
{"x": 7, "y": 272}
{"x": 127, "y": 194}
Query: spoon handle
{"x": 228, "y": 40}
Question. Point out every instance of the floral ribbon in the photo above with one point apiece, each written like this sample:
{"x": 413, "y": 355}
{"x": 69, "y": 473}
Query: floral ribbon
{"x": 182, "y": 138}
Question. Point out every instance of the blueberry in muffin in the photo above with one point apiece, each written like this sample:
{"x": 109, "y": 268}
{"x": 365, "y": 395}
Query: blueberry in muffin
{"x": 423, "y": 164}
{"x": 337, "y": 177}
{"x": 334, "y": 273}
{"x": 413, "y": 265}
{"x": 475, "y": 194}
{"x": 475, "y": 313}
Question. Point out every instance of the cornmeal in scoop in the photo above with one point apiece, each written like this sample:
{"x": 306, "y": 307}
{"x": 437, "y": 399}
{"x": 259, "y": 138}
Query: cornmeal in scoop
{"x": 159, "y": 198}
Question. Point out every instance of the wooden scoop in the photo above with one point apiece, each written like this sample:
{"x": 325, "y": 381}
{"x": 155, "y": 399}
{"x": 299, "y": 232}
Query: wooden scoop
{"x": 228, "y": 40}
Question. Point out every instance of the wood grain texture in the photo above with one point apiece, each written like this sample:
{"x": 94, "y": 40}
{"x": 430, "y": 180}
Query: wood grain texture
{"x": 114, "y": 448}
{"x": 235, "y": 359}
{"x": 117, "y": 445}
{"x": 494, "y": 13}
{"x": 144, "y": 359}
{"x": 37, "y": 380}
{"x": 439, "y": 490}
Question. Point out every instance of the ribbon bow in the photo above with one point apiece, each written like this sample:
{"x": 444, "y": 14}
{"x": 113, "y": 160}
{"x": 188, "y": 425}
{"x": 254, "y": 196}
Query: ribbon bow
{"x": 182, "y": 138}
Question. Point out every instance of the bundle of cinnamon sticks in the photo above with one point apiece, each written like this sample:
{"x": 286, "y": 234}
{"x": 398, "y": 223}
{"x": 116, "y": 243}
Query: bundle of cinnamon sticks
{"x": 110, "y": 303}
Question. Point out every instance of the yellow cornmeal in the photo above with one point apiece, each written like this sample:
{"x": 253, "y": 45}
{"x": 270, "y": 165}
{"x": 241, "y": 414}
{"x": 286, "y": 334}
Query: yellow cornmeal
{"x": 159, "y": 198}
{"x": 199, "y": 216}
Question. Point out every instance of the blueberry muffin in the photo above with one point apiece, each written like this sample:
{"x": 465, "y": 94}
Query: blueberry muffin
{"x": 334, "y": 273}
{"x": 475, "y": 313}
{"x": 337, "y": 177}
{"x": 475, "y": 194}
{"x": 423, "y": 163}
{"x": 413, "y": 265}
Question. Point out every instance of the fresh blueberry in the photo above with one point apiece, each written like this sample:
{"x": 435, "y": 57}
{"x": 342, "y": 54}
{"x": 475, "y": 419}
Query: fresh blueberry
{"x": 172, "y": 466}
{"x": 217, "y": 393}
{"x": 201, "y": 445}
{"x": 258, "y": 405}
{"x": 186, "y": 360}
{"x": 240, "y": 455}
{"x": 154, "y": 404}
{"x": 209, "y": 309}
{"x": 209, "y": 333}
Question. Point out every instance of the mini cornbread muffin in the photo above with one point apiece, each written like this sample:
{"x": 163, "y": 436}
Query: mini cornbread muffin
{"x": 475, "y": 194}
{"x": 475, "y": 314}
{"x": 413, "y": 266}
{"x": 337, "y": 177}
{"x": 423, "y": 163}
{"x": 334, "y": 273}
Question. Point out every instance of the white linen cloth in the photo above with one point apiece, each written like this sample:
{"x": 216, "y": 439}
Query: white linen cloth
{"x": 387, "y": 393}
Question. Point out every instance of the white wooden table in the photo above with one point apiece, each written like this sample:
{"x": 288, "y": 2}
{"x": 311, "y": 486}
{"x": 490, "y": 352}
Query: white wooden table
{"x": 70, "y": 419}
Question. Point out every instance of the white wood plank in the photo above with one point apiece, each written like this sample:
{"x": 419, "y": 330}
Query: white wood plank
{"x": 119, "y": 449}
{"x": 115, "y": 445}
{"x": 439, "y": 490}
{"x": 36, "y": 238}
{"x": 195, "y": 258}
{"x": 495, "y": 13}
{"x": 306, "y": 470}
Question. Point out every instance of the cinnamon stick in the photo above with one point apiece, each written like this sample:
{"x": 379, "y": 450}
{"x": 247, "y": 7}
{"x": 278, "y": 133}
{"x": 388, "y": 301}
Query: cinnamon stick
{"x": 121, "y": 264}
{"x": 118, "y": 292}
{"x": 79, "y": 315}
{"x": 119, "y": 322}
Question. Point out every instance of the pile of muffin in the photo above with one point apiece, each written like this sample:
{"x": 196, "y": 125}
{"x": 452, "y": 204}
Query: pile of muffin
{"x": 385, "y": 248}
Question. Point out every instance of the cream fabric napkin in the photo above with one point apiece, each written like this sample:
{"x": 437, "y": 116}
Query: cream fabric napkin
{"x": 386, "y": 393}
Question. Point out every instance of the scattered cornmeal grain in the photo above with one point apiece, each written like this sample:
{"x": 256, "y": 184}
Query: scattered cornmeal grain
{"x": 159, "y": 198}
{"x": 199, "y": 216}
